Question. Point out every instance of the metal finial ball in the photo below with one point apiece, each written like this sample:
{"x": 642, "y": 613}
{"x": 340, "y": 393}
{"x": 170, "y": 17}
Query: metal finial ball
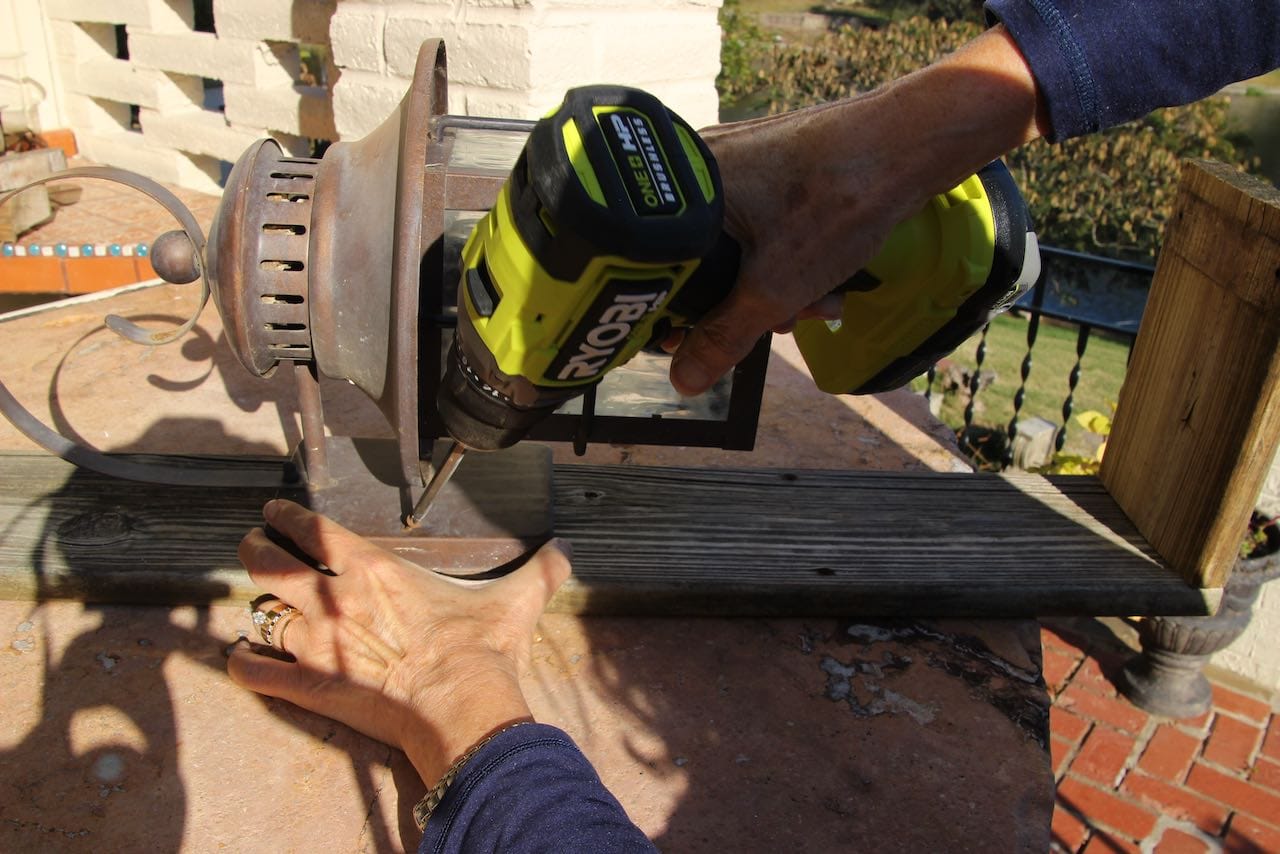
{"x": 174, "y": 258}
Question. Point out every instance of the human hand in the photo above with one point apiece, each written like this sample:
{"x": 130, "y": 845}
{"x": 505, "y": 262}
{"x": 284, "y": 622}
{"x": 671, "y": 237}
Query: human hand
{"x": 411, "y": 658}
{"x": 805, "y": 220}
{"x": 812, "y": 195}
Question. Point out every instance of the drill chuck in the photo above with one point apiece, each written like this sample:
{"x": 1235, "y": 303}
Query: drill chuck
{"x": 478, "y": 415}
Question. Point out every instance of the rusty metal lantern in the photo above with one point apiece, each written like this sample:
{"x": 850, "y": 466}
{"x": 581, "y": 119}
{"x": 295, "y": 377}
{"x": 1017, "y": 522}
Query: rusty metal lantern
{"x": 346, "y": 266}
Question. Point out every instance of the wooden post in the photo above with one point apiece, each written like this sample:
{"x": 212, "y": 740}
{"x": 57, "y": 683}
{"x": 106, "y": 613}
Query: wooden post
{"x": 1197, "y": 423}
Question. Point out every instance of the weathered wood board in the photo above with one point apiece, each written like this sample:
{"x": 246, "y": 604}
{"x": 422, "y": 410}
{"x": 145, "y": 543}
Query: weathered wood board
{"x": 1198, "y": 419}
{"x": 655, "y": 541}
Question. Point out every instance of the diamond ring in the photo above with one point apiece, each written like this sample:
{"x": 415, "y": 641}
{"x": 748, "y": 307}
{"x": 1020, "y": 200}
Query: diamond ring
{"x": 267, "y": 620}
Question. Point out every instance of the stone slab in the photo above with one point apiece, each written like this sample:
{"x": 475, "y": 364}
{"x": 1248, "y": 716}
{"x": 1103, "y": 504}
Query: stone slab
{"x": 120, "y": 730}
{"x": 31, "y": 207}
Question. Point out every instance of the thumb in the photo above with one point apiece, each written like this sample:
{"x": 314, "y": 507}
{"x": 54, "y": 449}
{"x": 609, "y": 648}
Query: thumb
{"x": 530, "y": 588}
{"x": 720, "y": 340}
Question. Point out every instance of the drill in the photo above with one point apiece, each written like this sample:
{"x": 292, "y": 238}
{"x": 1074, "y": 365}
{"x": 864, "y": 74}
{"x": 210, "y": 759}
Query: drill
{"x": 608, "y": 234}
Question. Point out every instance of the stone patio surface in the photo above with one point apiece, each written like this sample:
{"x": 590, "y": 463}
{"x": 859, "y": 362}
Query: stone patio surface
{"x": 121, "y": 732}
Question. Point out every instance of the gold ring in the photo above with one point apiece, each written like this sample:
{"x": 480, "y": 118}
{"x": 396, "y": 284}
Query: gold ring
{"x": 283, "y": 622}
{"x": 266, "y": 620}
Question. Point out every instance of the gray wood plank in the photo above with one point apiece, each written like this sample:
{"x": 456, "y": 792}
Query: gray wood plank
{"x": 700, "y": 541}
{"x": 654, "y": 541}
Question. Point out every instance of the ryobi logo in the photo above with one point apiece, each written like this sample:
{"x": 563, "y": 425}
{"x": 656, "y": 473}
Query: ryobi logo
{"x": 607, "y": 327}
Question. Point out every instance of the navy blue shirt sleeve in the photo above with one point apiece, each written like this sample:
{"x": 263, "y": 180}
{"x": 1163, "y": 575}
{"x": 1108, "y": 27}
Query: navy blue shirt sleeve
{"x": 530, "y": 789}
{"x": 1099, "y": 63}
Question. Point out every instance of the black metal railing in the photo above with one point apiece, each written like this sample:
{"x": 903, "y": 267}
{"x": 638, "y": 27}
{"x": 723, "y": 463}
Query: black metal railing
{"x": 1094, "y": 294}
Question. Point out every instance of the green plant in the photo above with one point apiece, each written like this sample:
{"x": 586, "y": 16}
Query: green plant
{"x": 853, "y": 59}
{"x": 744, "y": 46}
{"x": 1111, "y": 193}
{"x": 1262, "y": 537}
{"x": 1107, "y": 193}
{"x": 948, "y": 10}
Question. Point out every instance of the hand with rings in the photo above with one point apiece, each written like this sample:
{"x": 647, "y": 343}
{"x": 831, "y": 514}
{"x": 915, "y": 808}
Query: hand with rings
{"x": 416, "y": 660}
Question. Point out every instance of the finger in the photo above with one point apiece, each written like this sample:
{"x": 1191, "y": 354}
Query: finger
{"x": 266, "y": 675}
{"x": 720, "y": 340}
{"x": 292, "y": 548}
{"x": 672, "y": 342}
{"x": 528, "y": 590}
{"x": 272, "y": 568}
{"x": 830, "y": 307}
{"x": 319, "y": 536}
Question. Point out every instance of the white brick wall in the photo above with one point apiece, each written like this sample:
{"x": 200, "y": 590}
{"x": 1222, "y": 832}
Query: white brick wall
{"x": 362, "y": 99}
{"x": 127, "y": 83}
{"x": 207, "y": 55}
{"x": 130, "y": 151}
{"x": 516, "y": 59}
{"x": 139, "y": 13}
{"x": 1254, "y": 654}
{"x": 355, "y": 34}
{"x": 304, "y": 21}
{"x": 198, "y": 132}
{"x": 506, "y": 58}
{"x": 296, "y": 110}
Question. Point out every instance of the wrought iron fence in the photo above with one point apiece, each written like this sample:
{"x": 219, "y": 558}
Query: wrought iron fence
{"x": 1096, "y": 295}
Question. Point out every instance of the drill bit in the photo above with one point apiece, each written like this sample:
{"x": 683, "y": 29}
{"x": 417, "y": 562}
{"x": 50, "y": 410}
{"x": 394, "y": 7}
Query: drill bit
{"x": 438, "y": 480}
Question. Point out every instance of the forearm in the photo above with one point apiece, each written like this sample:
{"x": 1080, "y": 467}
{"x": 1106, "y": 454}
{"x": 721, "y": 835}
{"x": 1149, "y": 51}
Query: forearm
{"x": 920, "y": 135}
{"x": 960, "y": 113}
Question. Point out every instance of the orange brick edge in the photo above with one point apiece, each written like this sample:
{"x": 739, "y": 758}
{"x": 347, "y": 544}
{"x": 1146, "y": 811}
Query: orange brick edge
{"x": 63, "y": 138}
{"x": 61, "y": 275}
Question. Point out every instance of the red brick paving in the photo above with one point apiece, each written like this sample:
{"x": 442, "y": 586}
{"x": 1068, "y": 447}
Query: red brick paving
{"x": 1068, "y": 725}
{"x": 1128, "y": 781}
{"x": 1177, "y": 802}
{"x": 1240, "y": 705}
{"x": 1169, "y": 753}
{"x": 1058, "y": 668}
{"x": 1239, "y": 794}
{"x": 1232, "y": 744}
{"x": 1115, "y": 712}
{"x": 1174, "y": 841}
{"x": 1069, "y": 830}
{"x": 1104, "y": 757}
{"x": 1246, "y": 834}
{"x": 1109, "y": 809}
{"x": 1271, "y": 744}
{"x": 1102, "y": 843}
{"x": 1266, "y": 773}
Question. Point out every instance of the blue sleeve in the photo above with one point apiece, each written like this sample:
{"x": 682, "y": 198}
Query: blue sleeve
{"x": 1099, "y": 63}
{"x": 530, "y": 790}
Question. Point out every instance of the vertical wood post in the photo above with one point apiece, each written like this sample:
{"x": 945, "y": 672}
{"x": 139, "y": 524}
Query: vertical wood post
{"x": 1198, "y": 419}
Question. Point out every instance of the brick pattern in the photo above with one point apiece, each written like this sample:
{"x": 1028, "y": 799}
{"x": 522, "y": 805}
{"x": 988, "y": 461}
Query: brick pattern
{"x": 153, "y": 111}
{"x": 1128, "y": 781}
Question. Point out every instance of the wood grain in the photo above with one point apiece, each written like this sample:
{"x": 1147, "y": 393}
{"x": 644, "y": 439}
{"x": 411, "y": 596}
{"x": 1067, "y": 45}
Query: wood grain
{"x": 655, "y": 541}
{"x": 1198, "y": 418}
